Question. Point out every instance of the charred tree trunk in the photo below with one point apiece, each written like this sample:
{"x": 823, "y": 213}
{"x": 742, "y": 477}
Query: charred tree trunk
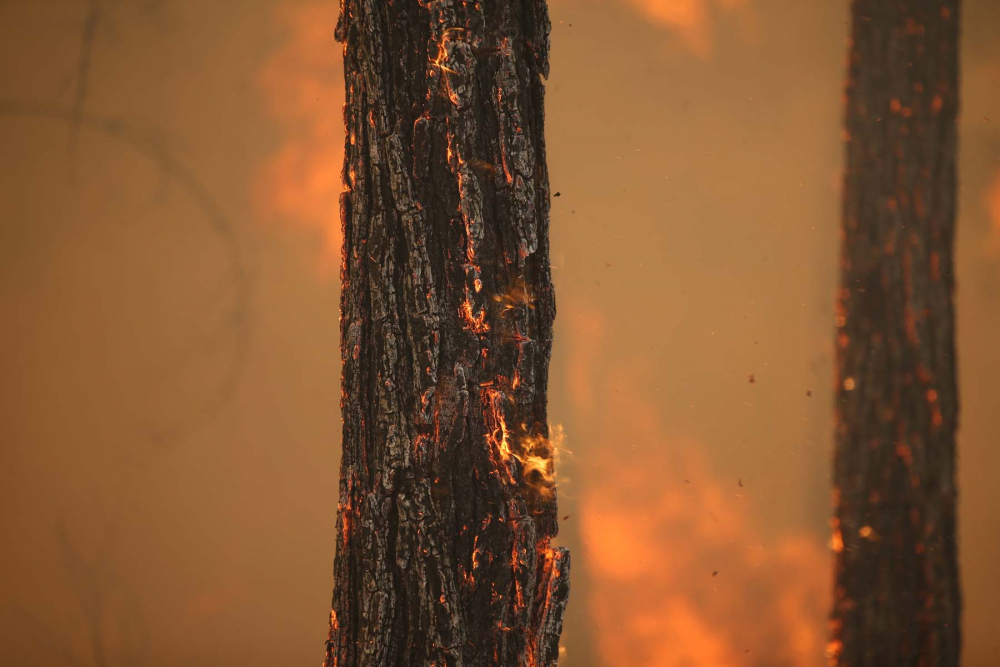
{"x": 897, "y": 597}
{"x": 447, "y": 501}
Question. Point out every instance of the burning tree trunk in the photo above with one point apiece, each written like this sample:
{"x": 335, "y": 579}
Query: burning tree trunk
{"x": 447, "y": 499}
{"x": 897, "y": 598}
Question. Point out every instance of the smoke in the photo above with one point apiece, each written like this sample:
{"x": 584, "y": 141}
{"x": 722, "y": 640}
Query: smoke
{"x": 303, "y": 85}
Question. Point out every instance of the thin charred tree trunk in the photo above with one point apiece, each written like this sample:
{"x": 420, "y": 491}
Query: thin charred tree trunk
{"x": 447, "y": 501}
{"x": 897, "y": 598}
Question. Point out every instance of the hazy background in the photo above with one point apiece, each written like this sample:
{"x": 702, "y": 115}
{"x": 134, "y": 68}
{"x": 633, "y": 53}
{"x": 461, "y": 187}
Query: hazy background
{"x": 169, "y": 374}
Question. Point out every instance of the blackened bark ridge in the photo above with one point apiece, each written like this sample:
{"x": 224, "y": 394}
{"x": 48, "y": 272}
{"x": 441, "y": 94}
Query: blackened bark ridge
{"x": 897, "y": 596}
{"x": 446, "y": 507}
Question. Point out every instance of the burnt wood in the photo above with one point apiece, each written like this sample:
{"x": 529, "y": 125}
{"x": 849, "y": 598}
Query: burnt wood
{"x": 897, "y": 596}
{"x": 447, "y": 502}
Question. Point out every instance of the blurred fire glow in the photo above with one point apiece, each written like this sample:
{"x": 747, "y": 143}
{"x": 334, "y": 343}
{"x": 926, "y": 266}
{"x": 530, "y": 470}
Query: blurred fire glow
{"x": 993, "y": 203}
{"x": 303, "y": 83}
{"x": 679, "y": 569}
{"x": 691, "y": 19}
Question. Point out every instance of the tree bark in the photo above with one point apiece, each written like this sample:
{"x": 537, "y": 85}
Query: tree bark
{"x": 897, "y": 595}
{"x": 447, "y": 500}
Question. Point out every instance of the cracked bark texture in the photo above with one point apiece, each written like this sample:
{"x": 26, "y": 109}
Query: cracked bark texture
{"x": 897, "y": 596}
{"x": 447, "y": 506}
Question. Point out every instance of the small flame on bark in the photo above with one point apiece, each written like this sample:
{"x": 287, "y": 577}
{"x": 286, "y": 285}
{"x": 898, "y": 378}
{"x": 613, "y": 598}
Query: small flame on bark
{"x": 442, "y": 54}
{"x": 536, "y": 450}
{"x": 474, "y": 322}
{"x": 539, "y": 455}
{"x": 517, "y": 295}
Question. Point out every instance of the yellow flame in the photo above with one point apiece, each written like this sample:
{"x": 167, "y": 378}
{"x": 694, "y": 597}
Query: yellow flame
{"x": 538, "y": 456}
{"x": 836, "y": 540}
{"x": 517, "y": 295}
{"x": 442, "y": 54}
{"x": 537, "y": 452}
{"x": 474, "y": 322}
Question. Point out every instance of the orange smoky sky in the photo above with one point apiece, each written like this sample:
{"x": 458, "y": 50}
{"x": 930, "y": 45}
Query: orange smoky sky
{"x": 303, "y": 84}
{"x": 680, "y": 568}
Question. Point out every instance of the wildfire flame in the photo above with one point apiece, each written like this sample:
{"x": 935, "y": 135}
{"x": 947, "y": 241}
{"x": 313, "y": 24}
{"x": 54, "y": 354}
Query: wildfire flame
{"x": 536, "y": 452}
{"x": 303, "y": 84}
{"x": 690, "y": 19}
{"x": 538, "y": 457}
{"x": 681, "y": 572}
{"x": 517, "y": 295}
{"x": 442, "y": 54}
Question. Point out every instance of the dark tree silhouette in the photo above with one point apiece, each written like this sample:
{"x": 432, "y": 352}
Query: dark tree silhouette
{"x": 897, "y": 597}
{"x": 447, "y": 502}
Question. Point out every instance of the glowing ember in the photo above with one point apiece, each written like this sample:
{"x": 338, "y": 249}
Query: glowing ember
{"x": 836, "y": 538}
{"x": 475, "y": 322}
{"x": 499, "y": 436}
{"x": 833, "y": 650}
{"x": 442, "y": 54}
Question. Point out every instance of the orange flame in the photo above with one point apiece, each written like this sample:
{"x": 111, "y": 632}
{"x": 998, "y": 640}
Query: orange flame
{"x": 680, "y": 570}
{"x": 691, "y": 19}
{"x": 474, "y": 322}
{"x": 538, "y": 457}
{"x": 517, "y": 295}
{"x": 536, "y": 453}
{"x": 499, "y": 437}
{"x": 303, "y": 84}
{"x": 681, "y": 577}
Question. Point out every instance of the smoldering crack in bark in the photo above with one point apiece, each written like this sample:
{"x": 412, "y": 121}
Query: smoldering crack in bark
{"x": 444, "y": 547}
